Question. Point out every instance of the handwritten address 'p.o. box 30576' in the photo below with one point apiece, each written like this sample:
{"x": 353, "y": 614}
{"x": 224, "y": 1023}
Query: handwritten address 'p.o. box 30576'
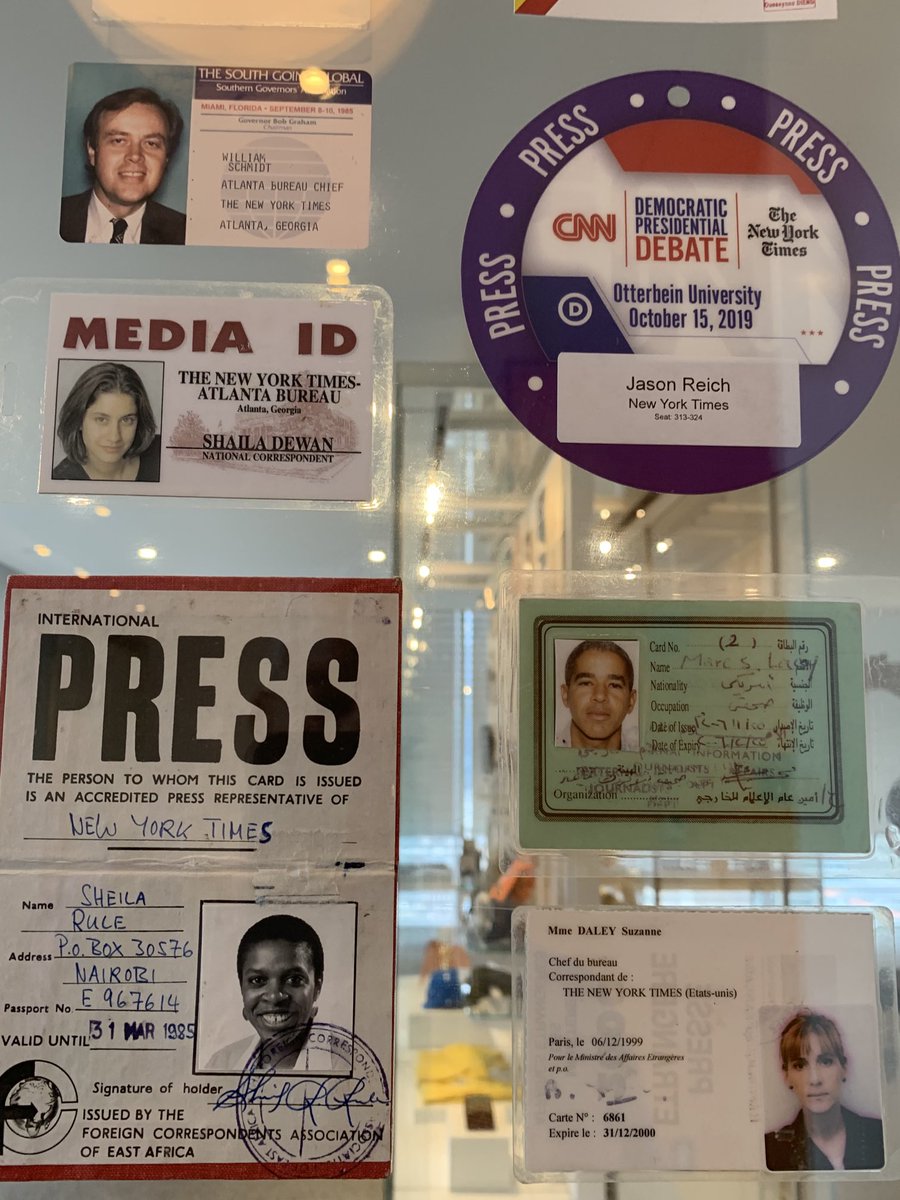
{"x": 692, "y": 726}
{"x": 140, "y": 1041}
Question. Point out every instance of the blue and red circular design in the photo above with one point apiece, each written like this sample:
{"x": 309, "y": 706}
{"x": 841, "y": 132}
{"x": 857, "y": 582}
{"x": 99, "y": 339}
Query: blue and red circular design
{"x": 703, "y": 132}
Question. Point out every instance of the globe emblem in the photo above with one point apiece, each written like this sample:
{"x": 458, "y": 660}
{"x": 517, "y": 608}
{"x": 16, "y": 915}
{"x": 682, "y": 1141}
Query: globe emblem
{"x": 289, "y": 158}
{"x": 32, "y": 1106}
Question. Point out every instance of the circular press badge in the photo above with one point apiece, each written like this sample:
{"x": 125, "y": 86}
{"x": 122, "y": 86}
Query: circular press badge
{"x": 681, "y": 282}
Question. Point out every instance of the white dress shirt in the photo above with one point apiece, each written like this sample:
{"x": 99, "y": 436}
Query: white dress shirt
{"x": 100, "y": 223}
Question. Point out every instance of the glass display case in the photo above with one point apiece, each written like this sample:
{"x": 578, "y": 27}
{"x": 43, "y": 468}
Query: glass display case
{"x": 469, "y": 493}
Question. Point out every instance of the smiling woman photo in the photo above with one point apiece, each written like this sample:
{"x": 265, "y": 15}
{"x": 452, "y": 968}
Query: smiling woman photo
{"x": 280, "y": 968}
{"x": 824, "y": 1136}
{"x": 107, "y": 428}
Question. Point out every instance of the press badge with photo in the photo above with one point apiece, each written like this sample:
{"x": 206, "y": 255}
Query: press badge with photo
{"x": 199, "y": 779}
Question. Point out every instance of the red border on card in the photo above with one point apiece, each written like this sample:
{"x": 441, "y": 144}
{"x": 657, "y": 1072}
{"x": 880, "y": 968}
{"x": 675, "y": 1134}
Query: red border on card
{"x": 224, "y": 583}
{"x": 196, "y": 583}
{"x": 363, "y": 1170}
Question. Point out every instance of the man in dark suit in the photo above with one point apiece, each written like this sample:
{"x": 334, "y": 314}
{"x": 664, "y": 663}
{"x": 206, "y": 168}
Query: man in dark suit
{"x": 129, "y": 139}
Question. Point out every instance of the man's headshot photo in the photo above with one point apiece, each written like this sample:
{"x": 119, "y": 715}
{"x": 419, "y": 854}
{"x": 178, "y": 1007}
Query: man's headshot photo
{"x": 596, "y": 706}
{"x": 129, "y": 138}
{"x": 278, "y": 974}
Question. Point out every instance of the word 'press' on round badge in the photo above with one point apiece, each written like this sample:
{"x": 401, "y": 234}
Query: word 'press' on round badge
{"x": 681, "y": 282}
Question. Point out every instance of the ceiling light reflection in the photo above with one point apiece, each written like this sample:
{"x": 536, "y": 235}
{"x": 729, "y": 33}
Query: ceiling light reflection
{"x": 434, "y": 493}
{"x": 315, "y": 82}
{"x": 337, "y": 271}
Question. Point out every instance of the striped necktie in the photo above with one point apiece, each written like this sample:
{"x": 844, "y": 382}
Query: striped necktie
{"x": 119, "y": 229}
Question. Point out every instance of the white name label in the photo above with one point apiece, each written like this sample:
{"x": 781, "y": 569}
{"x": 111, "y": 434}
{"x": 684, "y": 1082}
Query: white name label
{"x": 647, "y": 399}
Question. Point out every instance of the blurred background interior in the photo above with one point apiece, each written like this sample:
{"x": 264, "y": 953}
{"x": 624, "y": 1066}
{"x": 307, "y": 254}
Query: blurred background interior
{"x": 473, "y": 495}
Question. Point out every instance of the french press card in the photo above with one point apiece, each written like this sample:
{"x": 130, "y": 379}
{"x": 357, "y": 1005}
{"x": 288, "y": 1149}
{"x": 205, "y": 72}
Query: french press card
{"x": 707, "y": 1041}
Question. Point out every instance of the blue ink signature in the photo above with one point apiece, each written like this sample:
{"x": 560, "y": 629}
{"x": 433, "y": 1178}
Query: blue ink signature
{"x": 273, "y": 1093}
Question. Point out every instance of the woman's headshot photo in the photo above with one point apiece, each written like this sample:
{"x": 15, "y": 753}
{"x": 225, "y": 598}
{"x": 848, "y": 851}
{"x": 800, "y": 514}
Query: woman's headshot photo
{"x": 106, "y": 426}
{"x": 278, "y": 976}
{"x": 818, "y": 1077}
{"x": 596, "y": 694}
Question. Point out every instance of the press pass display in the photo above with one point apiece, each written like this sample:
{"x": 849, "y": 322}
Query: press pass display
{"x": 266, "y": 157}
{"x": 684, "y": 1041}
{"x": 200, "y": 782}
{"x": 678, "y": 725}
{"x": 255, "y": 397}
{"x": 681, "y": 281}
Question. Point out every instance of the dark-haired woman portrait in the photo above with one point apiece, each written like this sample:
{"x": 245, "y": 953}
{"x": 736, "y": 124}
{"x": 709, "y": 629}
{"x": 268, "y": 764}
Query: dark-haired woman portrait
{"x": 824, "y": 1136}
{"x": 107, "y": 428}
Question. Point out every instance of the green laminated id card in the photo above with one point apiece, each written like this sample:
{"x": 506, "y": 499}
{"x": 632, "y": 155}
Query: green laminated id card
{"x": 692, "y": 726}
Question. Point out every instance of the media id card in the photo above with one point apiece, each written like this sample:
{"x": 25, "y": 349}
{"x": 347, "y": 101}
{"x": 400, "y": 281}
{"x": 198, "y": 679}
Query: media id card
{"x": 695, "y": 11}
{"x": 692, "y": 726}
{"x": 706, "y": 1041}
{"x": 249, "y": 720}
{"x": 161, "y": 1024}
{"x": 252, "y": 397}
{"x": 217, "y": 156}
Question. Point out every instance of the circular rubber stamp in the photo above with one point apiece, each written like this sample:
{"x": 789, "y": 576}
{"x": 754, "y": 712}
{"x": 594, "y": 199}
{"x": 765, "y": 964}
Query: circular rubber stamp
{"x": 331, "y": 1111}
{"x": 681, "y": 282}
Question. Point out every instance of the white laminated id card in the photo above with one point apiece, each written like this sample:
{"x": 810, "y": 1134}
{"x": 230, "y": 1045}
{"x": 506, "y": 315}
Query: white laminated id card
{"x": 706, "y": 1041}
